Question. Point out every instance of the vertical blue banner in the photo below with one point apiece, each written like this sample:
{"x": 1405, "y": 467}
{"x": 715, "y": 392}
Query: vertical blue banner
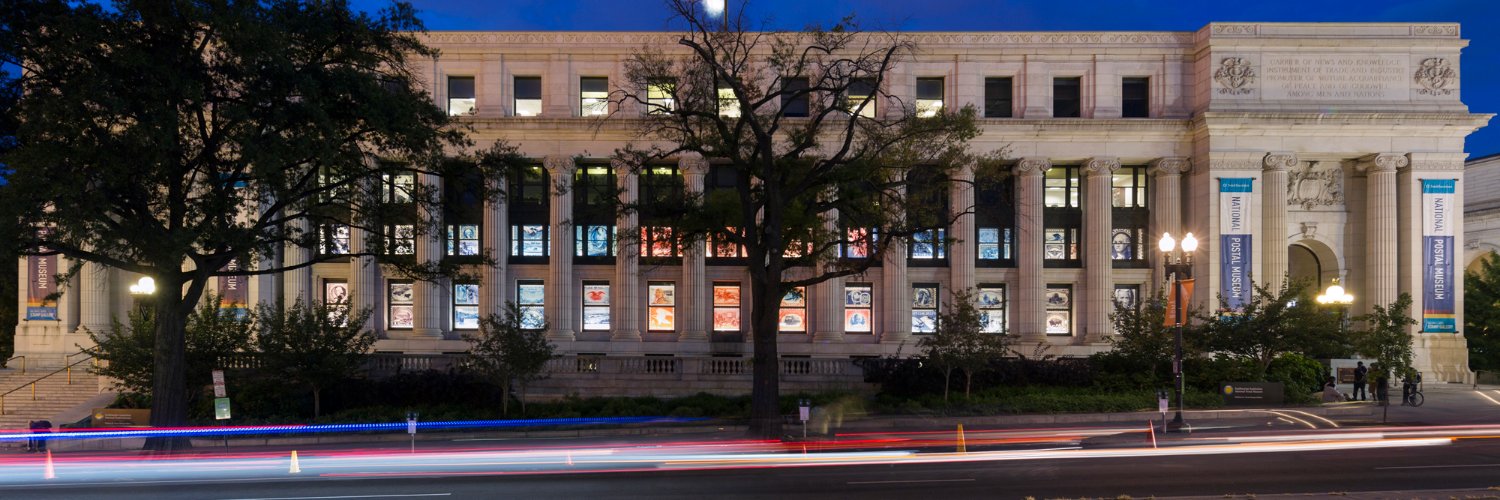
{"x": 1438, "y": 213}
{"x": 1235, "y": 241}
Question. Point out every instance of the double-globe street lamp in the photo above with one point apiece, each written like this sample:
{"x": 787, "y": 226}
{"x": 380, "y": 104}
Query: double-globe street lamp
{"x": 1179, "y": 269}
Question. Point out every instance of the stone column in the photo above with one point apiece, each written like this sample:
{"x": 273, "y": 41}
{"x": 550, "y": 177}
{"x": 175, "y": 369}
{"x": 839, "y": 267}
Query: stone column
{"x": 298, "y": 282}
{"x": 896, "y": 327}
{"x": 428, "y": 304}
{"x": 828, "y": 296}
{"x": 1273, "y": 218}
{"x": 625, "y": 309}
{"x": 95, "y": 313}
{"x": 693, "y": 304}
{"x": 1166, "y": 207}
{"x": 962, "y": 253}
{"x": 561, "y": 296}
{"x": 1098, "y": 220}
{"x": 365, "y": 288}
{"x": 1380, "y": 226}
{"x": 1031, "y": 282}
{"x": 494, "y": 231}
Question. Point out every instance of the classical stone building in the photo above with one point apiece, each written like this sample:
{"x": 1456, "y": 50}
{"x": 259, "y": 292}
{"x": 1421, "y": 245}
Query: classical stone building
{"x": 1481, "y": 210}
{"x": 1312, "y": 150}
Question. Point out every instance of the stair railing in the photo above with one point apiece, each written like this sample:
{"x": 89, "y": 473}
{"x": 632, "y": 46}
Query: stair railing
{"x": 66, "y": 369}
{"x": 23, "y": 362}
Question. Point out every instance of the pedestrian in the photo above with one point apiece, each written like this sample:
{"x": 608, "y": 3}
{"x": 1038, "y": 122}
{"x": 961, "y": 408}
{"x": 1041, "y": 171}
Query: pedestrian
{"x": 1382, "y": 384}
{"x": 1331, "y": 392}
{"x": 1409, "y": 385}
{"x": 1360, "y": 373}
{"x": 38, "y": 444}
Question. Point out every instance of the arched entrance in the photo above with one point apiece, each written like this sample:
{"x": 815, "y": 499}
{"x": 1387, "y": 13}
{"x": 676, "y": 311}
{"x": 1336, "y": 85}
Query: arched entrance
{"x": 1312, "y": 262}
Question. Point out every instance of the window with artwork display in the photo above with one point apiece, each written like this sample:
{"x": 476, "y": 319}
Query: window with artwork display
{"x": 465, "y": 306}
{"x": 657, "y": 241}
{"x": 401, "y": 239}
{"x": 990, "y": 301}
{"x": 399, "y": 314}
{"x": 1062, "y": 217}
{"x": 596, "y": 306}
{"x": 859, "y": 305}
{"x": 661, "y": 306}
{"x": 336, "y": 299}
{"x": 594, "y": 241}
{"x": 924, "y": 307}
{"x": 995, "y": 222}
{"x": 927, "y": 207}
{"x": 859, "y": 243}
{"x": 463, "y": 214}
{"x": 463, "y": 240}
{"x": 528, "y": 201}
{"x": 531, "y": 299}
{"x": 528, "y": 240}
{"x": 1059, "y": 312}
{"x": 333, "y": 239}
{"x": 793, "y": 311}
{"x": 661, "y": 201}
{"x": 1127, "y": 296}
{"x": 726, "y": 307}
{"x": 1131, "y": 217}
{"x": 594, "y": 199}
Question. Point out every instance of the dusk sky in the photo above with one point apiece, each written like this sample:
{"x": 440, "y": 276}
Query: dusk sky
{"x": 1480, "y": 19}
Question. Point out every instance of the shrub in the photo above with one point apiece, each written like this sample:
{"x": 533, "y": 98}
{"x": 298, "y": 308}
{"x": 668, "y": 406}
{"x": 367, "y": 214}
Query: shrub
{"x": 1300, "y": 375}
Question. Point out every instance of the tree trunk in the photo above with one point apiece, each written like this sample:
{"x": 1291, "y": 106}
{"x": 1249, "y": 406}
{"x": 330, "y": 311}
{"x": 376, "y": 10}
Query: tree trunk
{"x": 947, "y": 376}
{"x": 317, "y": 402}
{"x": 505, "y": 398}
{"x": 765, "y": 393}
{"x": 169, "y": 364}
{"x": 968, "y": 382}
{"x": 523, "y": 398}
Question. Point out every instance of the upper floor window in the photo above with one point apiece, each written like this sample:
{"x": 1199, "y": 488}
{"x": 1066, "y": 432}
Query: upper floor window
{"x": 997, "y": 97}
{"x": 729, "y": 106}
{"x": 859, "y": 97}
{"x": 659, "y": 97}
{"x": 1062, "y": 217}
{"x": 528, "y": 95}
{"x": 1135, "y": 97}
{"x": 794, "y": 101}
{"x": 995, "y": 222}
{"x": 929, "y": 96}
{"x": 333, "y": 239}
{"x": 1130, "y": 216}
{"x": 1061, "y": 187}
{"x": 593, "y": 95}
{"x": 461, "y": 95}
{"x": 1067, "y": 99}
{"x": 397, "y": 188}
{"x": 528, "y": 201}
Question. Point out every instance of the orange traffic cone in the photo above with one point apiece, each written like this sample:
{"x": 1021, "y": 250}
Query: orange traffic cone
{"x": 49, "y": 472}
{"x": 962, "y": 447}
{"x": 296, "y": 469}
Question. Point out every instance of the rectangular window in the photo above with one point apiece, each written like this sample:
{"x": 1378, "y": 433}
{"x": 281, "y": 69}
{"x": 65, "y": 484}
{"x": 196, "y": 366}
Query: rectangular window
{"x": 528, "y": 198}
{"x": 1060, "y": 243}
{"x": 531, "y": 297}
{"x": 1061, "y": 188}
{"x": 528, "y": 95}
{"x": 859, "y": 243}
{"x": 593, "y": 96}
{"x": 398, "y": 306}
{"x": 401, "y": 239}
{"x": 997, "y": 97}
{"x": 657, "y": 241}
{"x": 1062, "y": 217}
{"x": 465, "y": 306}
{"x": 661, "y": 306}
{"x": 995, "y": 222}
{"x": 859, "y": 306}
{"x": 995, "y": 244}
{"x": 726, "y": 248}
{"x": 991, "y": 304}
{"x": 1059, "y": 301}
{"x": 794, "y": 97}
{"x": 659, "y": 97}
{"x": 463, "y": 240}
{"x": 729, "y": 106}
{"x": 1066, "y": 100}
{"x": 793, "y": 311}
{"x": 1130, "y": 216}
{"x": 336, "y": 299}
{"x": 333, "y": 239}
{"x": 1127, "y": 296}
{"x": 594, "y": 241}
{"x": 1135, "y": 97}
{"x": 397, "y": 188}
{"x": 859, "y": 97}
{"x": 596, "y": 306}
{"x": 461, "y": 95}
{"x": 929, "y": 245}
{"x": 924, "y": 307}
{"x": 528, "y": 240}
{"x": 726, "y": 307}
{"x": 929, "y": 96}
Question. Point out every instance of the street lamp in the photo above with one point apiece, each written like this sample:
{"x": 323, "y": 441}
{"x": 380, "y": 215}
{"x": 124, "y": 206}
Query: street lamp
{"x": 142, "y": 290}
{"x": 1179, "y": 268}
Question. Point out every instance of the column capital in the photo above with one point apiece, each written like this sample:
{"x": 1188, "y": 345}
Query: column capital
{"x": 1383, "y": 162}
{"x": 1171, "y": 165}
{"x": 1279, "y": 160}
{"x": 692, "y": 165}
{"x": 1032, "y": 165}
{"x": 559, "y": 166}
{"x": 1101, "y": 166}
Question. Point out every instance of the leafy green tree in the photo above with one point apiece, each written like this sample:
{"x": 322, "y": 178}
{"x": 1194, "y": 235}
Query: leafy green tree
{"x": 1143, "y": 339}
{"x": 1482, "y": 314}
{"x": 1385, "y": 337}
{"x": 211, "y": 335}
{"x": 508, "y": 354}
{"x": 794, "y": 178}
{"x": 314, "y": 345}
{"x": 1271, "y": 323}
{"x": 171, "y": 137}
{"x": 960, "y": 343}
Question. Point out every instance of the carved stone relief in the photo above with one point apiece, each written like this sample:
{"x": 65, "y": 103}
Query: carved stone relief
{"x": 1318, "y": 184}
{"x": 1434, "y": 74}
{"x": 1235, "y": 76}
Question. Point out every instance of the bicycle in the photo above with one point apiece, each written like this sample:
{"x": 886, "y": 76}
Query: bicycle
{"x": 1413, "y": 397}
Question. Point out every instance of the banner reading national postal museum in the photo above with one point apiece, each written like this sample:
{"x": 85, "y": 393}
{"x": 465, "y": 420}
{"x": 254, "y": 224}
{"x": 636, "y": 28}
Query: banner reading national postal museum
{"x": 234, "y": 297}
{"x": 1234, "y": 241}
{"x": 41, "y": 281}
{"x": 1438, "y": 213}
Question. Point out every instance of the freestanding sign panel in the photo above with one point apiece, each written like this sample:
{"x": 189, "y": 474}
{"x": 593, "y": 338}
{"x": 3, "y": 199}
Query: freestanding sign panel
{"x": 1438, "y": 212}
{"x": 1234, "y": 241}
{"x": 41, "y": 281}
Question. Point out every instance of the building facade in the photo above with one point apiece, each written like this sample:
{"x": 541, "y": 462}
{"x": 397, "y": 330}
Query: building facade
{"x": 1314, "y": 151}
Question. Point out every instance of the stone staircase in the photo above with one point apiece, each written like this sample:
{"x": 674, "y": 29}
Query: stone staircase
{"x": 54, "y": 395}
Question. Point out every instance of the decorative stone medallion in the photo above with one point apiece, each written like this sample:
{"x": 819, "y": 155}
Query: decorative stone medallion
{"x": 1434, "y": 74}
{"x": 1234, "y": 76}
{"x": 1315, "y": 185}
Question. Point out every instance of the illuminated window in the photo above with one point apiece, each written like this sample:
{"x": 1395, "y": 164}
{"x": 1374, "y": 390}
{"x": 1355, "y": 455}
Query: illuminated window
{"x": 859, "y": 243}
{"x": 859, "y": 306}
{"x": 729, "y": 106}
{"x": 528, "y": 240}
{"x": 659, "y": 97}
{"x": 596, "y": 306}
{"x": 401, "y": 239}
{"x": 463, "y": 239}
{"x": 656, "y": 241}
{"x": 465, "y": 306}
{"x": 333, "y": 239}
{"x": 594, "y": 241}
{"x": 528, "y": 95}
{"x": 929, "y": 245}
{"x": 995, "y": 244}
{"x": 924, "y": 307}
{"x": 990, "y": 301}
{"x": 531, "y": 296}
{"x": 398, "y": 310}
{"x": 594, "y": 212}
{"x": 1127, "y": 296}
{"x": 793, "y": 311}
{"x": 461, "y": 95}
{"x": 528, "y": 200}
{"x": 1130, "y": 216}
{"x": 593, "y": 96}
{"x": 726, "y": 248}
{"x": 1062, "y": 217}
{"x": 397, "y": 188}
{"x": 726, "y": 307}
{"x": 336, "y": 299}
{"x": 661, "y": 306}
{"x": 1059, "y": 301}
{"x": 859, "y": 97}
{"x": 929, "y": 97}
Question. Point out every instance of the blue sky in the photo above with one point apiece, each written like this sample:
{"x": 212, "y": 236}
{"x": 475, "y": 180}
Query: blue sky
{"x": 1480, "y": 20}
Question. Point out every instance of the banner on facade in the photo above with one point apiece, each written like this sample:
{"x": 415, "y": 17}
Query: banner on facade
{"x": 1438, "y": 213}
{"x": 41, "y": 283}
{"x": 234, "y": 293}
{"x": 1235, "y": 241}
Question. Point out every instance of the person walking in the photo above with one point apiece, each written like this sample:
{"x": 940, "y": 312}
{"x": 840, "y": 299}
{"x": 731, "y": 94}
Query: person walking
{"x": 1360, "y": 372}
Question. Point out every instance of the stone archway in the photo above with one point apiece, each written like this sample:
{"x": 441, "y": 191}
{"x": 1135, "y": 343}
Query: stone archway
{"x": 1477, "y": 260}
{"x": 1312, "y": 261}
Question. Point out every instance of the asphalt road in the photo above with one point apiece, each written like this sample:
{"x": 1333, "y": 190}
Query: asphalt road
{"x": 1392, "y": 473}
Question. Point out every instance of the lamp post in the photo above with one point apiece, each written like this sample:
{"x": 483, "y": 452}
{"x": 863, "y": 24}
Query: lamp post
{"x": 142, "y": 290}
{"x": 1179, "y": 268}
